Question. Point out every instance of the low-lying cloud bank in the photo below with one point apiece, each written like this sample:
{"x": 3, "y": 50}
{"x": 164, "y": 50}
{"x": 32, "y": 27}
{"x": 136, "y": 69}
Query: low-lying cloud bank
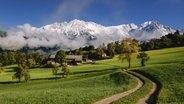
{"x": 73, "y": 35}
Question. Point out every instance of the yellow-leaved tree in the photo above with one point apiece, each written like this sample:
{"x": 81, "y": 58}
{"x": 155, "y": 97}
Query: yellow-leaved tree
{"x": 129, "y": 48}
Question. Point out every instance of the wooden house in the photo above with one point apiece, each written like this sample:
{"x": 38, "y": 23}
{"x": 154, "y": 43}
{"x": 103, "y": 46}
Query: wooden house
{"x": 70, "y": 59}
{"x": 74, "y": 59}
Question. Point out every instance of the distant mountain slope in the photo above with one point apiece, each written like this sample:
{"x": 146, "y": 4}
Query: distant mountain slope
{"x": 77, "y": 33}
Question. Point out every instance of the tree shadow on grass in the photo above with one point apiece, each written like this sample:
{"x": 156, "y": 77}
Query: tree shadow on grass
{"x": 10, "y": 82}
{"x": 90, "y": 71}
{"x": 14, "y": 82}
{"x": 82, "y": 74}
{"x": 165, "y": 63}
{"x": 10, "y": 69}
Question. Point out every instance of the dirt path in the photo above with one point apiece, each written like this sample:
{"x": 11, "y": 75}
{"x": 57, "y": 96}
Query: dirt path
{"x": 152, "y": 96}
{"x": 111, "y": 99}
{"x": 148, "y": 96}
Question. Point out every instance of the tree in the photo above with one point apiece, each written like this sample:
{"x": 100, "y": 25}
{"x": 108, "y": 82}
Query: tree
{"x": 80, "y": 51}
{"x": 129, "y": 48}
{"x": 110, "y": 50}
{"x": 117, "y": 47}
{"x": 1, "y": 68}
{"x": 99, "y": 53}
{"x": 66, "y": 70}
{"x": 5, "y": 58}
{"x": 171, "y": 40}
{"x": 165, "y": 42}
{"x": 92, "y": 55}
{"x": 21, "y": 71}
{"x": 144, "y": 57}
{"x": 30, "y": 62}
{"x": 60, "y": 57}
{"x": 88, "y": 48}
{"x": 11, "y": 58}
{"x": 20, "y": 57}
{"x": 37, "y": 57}
{"x": 27, "y": 61}
{"x": 55, "y": 69}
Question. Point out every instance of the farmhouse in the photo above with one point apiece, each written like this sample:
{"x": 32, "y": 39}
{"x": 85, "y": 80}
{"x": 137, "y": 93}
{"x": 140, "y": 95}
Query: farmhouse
{"x": 51, "y": 57}
{"x": 74, "y": 59}
{"x": 70, "y": 59}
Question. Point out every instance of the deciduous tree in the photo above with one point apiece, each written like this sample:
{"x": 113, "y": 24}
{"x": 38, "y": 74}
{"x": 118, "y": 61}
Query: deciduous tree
{"x": 129, "y": 47}
{"x": 1, "y": 68}
{"x": 110, "y": 50}
{"x": 66, "y": 70}
{"x": 60, "y": 57}
{"x": 55, "y": 69}
{"x": 21, "y": 71}
{"x": 144, "y": 57}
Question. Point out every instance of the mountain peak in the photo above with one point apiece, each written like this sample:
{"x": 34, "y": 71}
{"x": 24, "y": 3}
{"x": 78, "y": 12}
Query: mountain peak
{"x": 155, "y": 23}
{"x": 76, "y": 21}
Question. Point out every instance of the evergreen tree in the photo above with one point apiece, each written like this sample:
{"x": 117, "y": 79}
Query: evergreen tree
{"x": 171, "y": 40}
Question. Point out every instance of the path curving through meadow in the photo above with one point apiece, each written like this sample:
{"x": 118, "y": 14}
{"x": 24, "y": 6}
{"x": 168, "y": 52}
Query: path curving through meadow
{"x": 115, "y": 97}
{"x": 151, "y": 97}
{"x": 148, "y": 96}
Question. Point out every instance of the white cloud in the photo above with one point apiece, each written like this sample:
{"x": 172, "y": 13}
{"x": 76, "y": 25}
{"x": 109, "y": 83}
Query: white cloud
{"x": 73, "y": 35}
{"x": 27, "y": 35}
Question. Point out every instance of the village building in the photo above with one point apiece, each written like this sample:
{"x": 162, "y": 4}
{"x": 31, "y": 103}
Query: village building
{"x": 74, "y": 59}
{"x": 70, "y": 59}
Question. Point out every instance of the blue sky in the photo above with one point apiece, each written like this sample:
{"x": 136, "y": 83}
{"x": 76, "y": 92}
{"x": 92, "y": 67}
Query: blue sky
{"x": 105, "y": 12}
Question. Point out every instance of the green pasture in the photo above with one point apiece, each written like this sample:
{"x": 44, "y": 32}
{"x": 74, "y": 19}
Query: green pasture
{"x": 91, "y": 82}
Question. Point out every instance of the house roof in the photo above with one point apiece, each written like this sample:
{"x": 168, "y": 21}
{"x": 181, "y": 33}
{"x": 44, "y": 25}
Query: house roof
{"x": 74, "y": 57}
{"x": 52, "y": 56}
{"x": 68, "y": 57}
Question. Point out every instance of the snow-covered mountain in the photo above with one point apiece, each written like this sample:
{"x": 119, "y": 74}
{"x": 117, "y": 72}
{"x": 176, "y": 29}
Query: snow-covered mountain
{"x": 149, "y": 30}
{"x": 77, "y": 33}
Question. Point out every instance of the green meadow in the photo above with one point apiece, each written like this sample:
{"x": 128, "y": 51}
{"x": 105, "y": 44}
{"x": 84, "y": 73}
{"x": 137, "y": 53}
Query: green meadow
{"x": 91, "y": 82}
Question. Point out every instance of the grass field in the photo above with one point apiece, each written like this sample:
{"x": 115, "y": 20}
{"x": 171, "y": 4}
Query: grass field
{"x": 89, "y": 83}
{"x": 82, "y": 91}
{"x": 167, "y": 66}
{"x": 171, "y": 77}
{"x": 169, "y": 70}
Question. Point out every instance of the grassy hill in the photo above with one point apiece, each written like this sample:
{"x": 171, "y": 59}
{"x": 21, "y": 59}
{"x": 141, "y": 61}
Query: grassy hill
{"x": 169, "y": 70}
{"x": 167, "y": 66}
{"x": 89, "y": 83}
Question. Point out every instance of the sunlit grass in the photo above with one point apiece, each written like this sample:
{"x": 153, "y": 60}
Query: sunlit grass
{"x": 90, "y": 82}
